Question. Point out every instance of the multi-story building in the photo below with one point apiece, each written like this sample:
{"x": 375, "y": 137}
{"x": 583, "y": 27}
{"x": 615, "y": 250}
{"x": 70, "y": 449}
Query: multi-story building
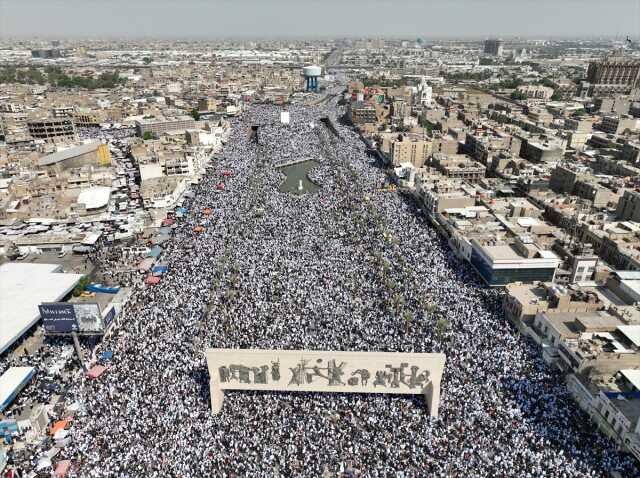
{"x": 459, "y": 166}
{"x": 618, "y": 124}
{"x": 438, "y": 194}
{"x": 612, "y": 74}
{"x": 409, "y": 149}
{"x": 520, "y": 260}
{"x": 631, "y": 152}
{"x": 489, "y": 142}
{"x": 87, "y": 118}
{"x": 207, "y": 104}
{"x": 46, "y": 53}
{"x": 592, "y": 335}
{"x": 62, "y": 111}
{"x": 628, "y": 208}
{"x": 614, "y": 70}
{"x": 157, "y": 126}
{"x": 362, "y": 113}
{"x": 538, "y": 92}
{"x": 542, "y": 152}
{"x": 52, "y": 129}
{"x": 523, "y": 301}
{"x": 494, "y": 47}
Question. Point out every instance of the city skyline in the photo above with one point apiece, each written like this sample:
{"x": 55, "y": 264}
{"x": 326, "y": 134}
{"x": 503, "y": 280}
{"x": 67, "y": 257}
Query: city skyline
{"x": 199, "y": 19}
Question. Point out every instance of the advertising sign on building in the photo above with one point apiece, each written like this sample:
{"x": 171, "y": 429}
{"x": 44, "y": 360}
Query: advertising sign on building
{"x": 109, "y": 317}
{"x": 65, "y": 317}
{"x": 59, "y": 317}
{"x": 325, "y": 371}
{"x": 89, "y": 318}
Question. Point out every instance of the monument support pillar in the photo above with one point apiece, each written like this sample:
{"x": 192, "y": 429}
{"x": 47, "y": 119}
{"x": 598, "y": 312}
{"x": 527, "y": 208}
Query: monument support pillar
{"x": 432, "y": 398}
{"x": 217, "y": 397}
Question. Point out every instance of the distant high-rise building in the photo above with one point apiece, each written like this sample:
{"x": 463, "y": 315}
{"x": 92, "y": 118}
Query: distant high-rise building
{"x": 46, "y": 54}
{"x": 493, "y": 47}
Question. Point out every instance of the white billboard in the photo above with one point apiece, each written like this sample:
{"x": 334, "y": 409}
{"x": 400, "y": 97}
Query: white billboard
{"x": 284, "y": 117}
{"x": 325, "y": 371}
{"x": 89, "y": 318}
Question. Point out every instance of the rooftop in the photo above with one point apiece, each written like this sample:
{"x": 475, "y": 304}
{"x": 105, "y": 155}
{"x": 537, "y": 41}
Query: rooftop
{"x": 68, "y": 154}
{"x": 94, "y": 198}
{"x": 24, "y": 287}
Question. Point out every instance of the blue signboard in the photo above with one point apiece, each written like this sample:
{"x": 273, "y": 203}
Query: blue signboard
{"x": 627, "y": 395}
{"x": 109, "y": 317}
{"x": 58, "y": 317}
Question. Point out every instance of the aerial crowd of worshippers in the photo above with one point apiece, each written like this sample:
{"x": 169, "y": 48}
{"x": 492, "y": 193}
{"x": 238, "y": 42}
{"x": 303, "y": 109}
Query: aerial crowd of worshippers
{"x": 349, "y": 267}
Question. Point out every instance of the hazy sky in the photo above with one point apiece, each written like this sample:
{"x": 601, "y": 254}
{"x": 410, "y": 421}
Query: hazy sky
{"x": 303, "y": 18}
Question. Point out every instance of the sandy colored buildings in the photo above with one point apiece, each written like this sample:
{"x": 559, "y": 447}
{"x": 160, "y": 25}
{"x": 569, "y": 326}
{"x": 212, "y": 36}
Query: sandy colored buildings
{"x": 412, "y": 149}
{"x": 52, "y": 130}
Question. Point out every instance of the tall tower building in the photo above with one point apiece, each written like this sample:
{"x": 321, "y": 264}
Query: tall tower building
{"x": 494, "y": 47}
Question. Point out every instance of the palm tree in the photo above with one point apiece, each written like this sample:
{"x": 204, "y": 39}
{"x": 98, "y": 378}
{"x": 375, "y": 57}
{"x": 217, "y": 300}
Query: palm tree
{"x": 442, "y": 325}
{"x": 398, "y": 300}
{"x": 408, "y": 320}
{"x": 431, "y": 307}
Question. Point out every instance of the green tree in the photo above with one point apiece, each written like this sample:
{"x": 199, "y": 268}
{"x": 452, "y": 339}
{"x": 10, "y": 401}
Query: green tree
{"x": 430, "y": 307}
{"x": 147, "y": 60}
{"x": 408, "y": 318}
{"x": 80, "y": 286}
{"x": 195, "y": 114}
{"x": 147, "y": 135}
{"x": 518, "y": 95}
{"x": 442, "y": 325}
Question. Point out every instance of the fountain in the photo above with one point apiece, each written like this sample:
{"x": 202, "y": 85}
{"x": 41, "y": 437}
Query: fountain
{"x": 297, "y": 180}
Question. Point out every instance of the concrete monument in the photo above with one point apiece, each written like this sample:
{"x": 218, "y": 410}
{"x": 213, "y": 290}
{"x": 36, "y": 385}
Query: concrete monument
{"x": 325, "y": 371}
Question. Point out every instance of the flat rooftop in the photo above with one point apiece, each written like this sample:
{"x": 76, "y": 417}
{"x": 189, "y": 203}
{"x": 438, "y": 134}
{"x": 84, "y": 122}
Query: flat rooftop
{"x": 11, "y": 382}
{"x": 23, "y": 287}
{"x": 502, "y": 252}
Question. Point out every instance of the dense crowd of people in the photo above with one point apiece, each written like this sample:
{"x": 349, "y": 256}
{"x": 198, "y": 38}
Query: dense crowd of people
{"x": 349, "y": 267}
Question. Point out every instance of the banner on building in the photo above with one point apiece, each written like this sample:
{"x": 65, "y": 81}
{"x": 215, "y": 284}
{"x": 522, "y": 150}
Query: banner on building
{"x": 109, "y": 317}
{"x": 65, "y": 318}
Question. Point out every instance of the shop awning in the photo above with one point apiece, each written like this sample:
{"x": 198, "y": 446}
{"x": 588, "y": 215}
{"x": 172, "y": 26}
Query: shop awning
{"x": 155, "y": 252}
{"x": 96, "y": 371}
{"x": 152, "y": 280}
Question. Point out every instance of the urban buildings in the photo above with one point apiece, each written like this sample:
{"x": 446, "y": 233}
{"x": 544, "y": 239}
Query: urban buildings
{"x": 52, "y": 129}
{"x": 157, "y": 126}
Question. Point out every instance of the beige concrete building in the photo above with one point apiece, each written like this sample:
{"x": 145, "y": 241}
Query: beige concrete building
{"x": 157, "y": 126}
{"x": 537, "y": 92}
{"x": 438, "y": 193}
{"x": 523, "y": 301}
{"x": 362, "y": 113}
{"x": 409, "y": 149}
{"x": 459, "y": 166}
{"x": 618, "y": 124}
{"x": 53, "y": 130}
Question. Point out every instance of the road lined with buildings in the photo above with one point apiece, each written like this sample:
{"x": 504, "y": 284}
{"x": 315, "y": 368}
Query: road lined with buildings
{"x": 290, "y": 276}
